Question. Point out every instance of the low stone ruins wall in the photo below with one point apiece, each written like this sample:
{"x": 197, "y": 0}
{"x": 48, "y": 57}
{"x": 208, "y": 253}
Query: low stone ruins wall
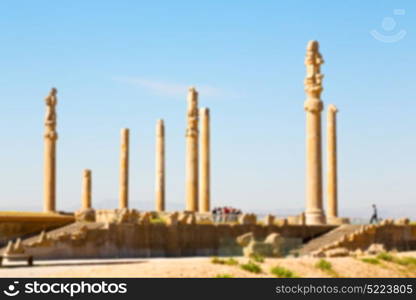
{"x": 105, "y": 240}
{"x": 389, "y": 235}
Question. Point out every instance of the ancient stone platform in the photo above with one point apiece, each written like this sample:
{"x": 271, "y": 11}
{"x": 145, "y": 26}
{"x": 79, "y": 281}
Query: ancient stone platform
{"x": 24, "y": 224}
{"x": 104, "y": 239}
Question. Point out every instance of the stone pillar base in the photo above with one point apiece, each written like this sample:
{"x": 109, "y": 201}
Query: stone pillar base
{"x": 315, "y": 218}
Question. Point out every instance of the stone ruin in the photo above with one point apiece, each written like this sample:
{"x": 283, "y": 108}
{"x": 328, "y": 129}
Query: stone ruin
{"x": 16, "y": 252}
{"x": 126, "y": 232}
{"x": 372, "y": 239}
{"x": 274, "y": 245}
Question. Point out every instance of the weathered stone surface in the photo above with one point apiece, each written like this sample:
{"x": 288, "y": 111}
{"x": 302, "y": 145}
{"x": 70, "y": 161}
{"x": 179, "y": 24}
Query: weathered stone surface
{"x": 302, "y": 219}
{"x": 402, "y": 221}
{"x": 43, "y": 237}
{"x": 337, "y": 252}
{"x": 338, "y": 221}
{"x": 191, "y": 219}
{"x": 247, "y": 219}
{"x": 293, "y": 220}
{"x": 17, "y": 252}
{"x": 270, "y": 247}
{"x": 282, "y": 222}
{"x": 187, "y": 217}
{"x": 357, "y": 253}
{"x": 172, "y": 219}
{"x": 119, "y": 216}
{"x": 269, "y": 220}
{"x": 317, "y": 253}
{"x": 16, "y": 248}
{"x": 375, "y": 249}
{"x": 86, "y": 215}
{"x": 182, "y": 218}
{"x": 245, "y": 239}
{"x": 145, "y": 218}
{"x": 9, "y": 248}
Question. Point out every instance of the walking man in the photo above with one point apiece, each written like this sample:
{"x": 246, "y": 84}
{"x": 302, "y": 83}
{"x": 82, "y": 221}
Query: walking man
{"x": 374, "y": 216}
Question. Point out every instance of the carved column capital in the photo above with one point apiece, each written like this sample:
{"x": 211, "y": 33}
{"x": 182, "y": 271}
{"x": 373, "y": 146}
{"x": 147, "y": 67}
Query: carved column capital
{"x": 313, "y": 62}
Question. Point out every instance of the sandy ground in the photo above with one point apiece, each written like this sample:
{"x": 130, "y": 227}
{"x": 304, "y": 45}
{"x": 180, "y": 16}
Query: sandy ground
{"x": 202, "y": 267}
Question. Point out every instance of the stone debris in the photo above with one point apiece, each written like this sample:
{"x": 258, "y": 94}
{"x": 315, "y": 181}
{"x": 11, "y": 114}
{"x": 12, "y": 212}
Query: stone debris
{"x": 270, "y": 247}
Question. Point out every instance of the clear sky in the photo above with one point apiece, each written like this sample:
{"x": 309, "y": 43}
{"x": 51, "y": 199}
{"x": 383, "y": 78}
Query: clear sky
{"x": 127, "y": 63}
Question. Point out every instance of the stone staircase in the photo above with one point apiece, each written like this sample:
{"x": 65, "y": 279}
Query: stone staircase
{"x": 328, "y": 238}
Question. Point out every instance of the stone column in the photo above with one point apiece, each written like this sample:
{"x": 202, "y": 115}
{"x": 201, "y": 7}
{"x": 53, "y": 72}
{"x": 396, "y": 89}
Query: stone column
{"x": 160, "y": 166}
{"x": 50, "y": 137}
{"x": 192, "y": 152}
{"x": 86, "y": 190}
{"x": 124, "y": 169}
{"x": 204, "y": 188}
{"x": 332, "y": 189}
{"x": 313, "y": 107}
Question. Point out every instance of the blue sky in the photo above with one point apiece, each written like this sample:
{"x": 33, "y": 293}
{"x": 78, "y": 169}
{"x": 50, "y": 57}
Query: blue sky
{"x": 127, "y": 63}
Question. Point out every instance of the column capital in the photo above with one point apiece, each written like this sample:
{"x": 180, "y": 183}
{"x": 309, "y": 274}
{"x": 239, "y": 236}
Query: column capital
{"x": 332, "y": 109}
{"x": 204, "y": 111}
{"x": 192, "y": 113}
{"x": 50, "y": 117}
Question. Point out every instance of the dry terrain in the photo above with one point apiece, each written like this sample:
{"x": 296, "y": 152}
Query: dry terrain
{"x": 204, "y": 267}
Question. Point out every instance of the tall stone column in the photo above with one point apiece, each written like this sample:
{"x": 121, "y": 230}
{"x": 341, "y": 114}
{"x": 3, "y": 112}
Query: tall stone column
{"x": 49, "y": 167}
{"x": 86, "y": 189}
{"x": 313, "y": 107}
{"x": 124, "y": 170}
{"x": 160, "y": 166}
{"x": 192, "y": 152}
{"x": 204, "y": 189}
{"x": 332, "y": 188}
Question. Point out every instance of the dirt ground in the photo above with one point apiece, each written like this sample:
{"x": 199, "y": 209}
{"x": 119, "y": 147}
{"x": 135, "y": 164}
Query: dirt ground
{"x": 203, "y": 267}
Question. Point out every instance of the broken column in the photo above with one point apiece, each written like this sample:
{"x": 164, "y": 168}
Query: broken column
{"x": 192, "y": 152}
{"x": 332, "y": 191}
{"x": 204, "y": 188}
{"x": 313, "y": 107}
{"x": 86, "y": 189}
{"x": 50, "y": 137}
{"x": 124, "y": 169}
{"x": 160, "y": 166}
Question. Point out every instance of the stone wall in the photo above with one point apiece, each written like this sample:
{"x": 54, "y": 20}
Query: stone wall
{"x": 103, "y": 239}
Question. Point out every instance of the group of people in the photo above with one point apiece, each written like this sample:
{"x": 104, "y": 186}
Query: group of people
{"x": 225, "y": 214}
